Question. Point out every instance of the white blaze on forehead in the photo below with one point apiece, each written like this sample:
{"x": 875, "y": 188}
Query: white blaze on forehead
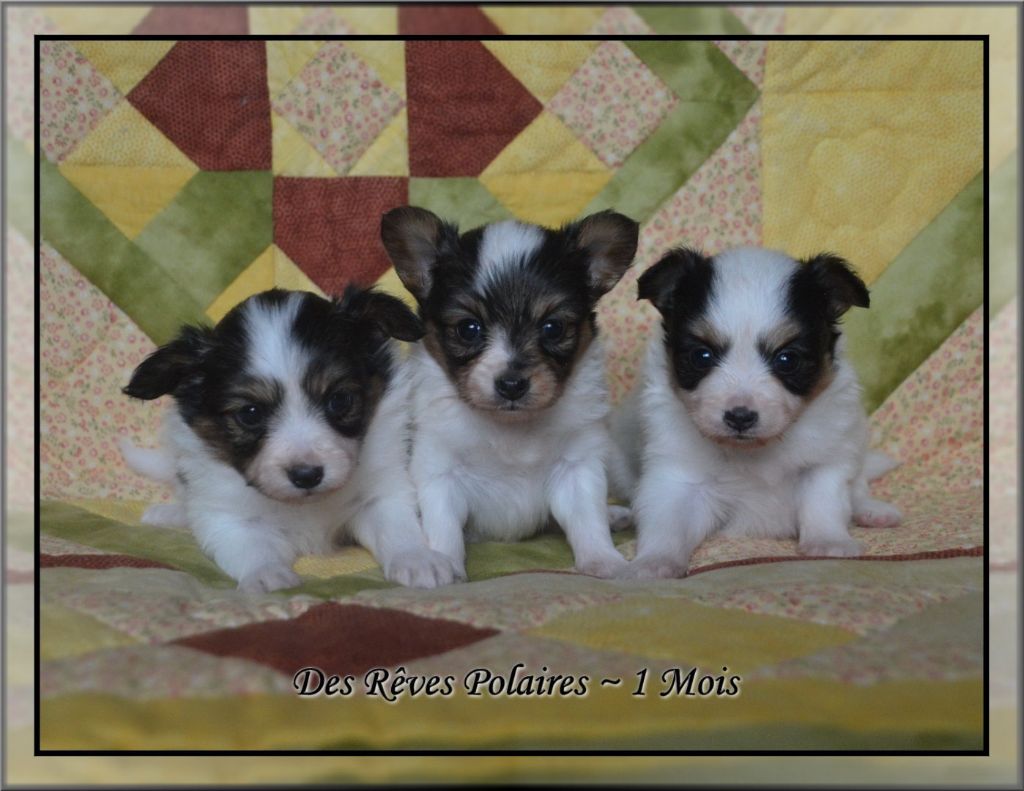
{"x": 505, "y": 244}
{"x": 749, "y": 293}
{"x": 272, "y": 349}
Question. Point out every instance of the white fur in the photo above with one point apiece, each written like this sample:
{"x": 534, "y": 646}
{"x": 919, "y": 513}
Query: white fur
{"x": 505, "y": 479}
{"x": 255, "y": 538}
{"x": 807, "y": 481}
{"x": 505, "y": 244}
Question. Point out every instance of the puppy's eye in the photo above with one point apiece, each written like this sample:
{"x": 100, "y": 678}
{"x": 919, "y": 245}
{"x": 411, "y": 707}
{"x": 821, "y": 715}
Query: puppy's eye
{"x": 786, "y": 361}
{"x": 702, "y": 358}
{"x": 250, "y": 416}
{"x": 552, "y": 330}
{"x": 339, "y": 403}
{"x": 469, "y": 330}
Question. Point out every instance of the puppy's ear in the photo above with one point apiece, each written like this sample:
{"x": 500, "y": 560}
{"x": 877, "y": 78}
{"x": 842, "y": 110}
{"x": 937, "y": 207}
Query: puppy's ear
{"x": 414, "y": 239}
{"x": 388, "y": 314}
{"x": 680, "y": 274}
{"x": 171, "y": 364}
{"x": 835, "y": 279}
{"x": 609, "y": 240}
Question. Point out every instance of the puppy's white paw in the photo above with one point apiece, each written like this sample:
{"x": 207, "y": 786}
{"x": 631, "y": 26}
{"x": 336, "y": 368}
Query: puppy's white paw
{"x": 619, "y": 517}
{"x": 831, "y": 548}
{"x": 876, "y": 513}
{"x": 164, "y": 515}
{"x": 606, "y": 566}
{"x": 654, "y": 568}
{"x": 424, "y": 568}
{"x": 268, "y": 578}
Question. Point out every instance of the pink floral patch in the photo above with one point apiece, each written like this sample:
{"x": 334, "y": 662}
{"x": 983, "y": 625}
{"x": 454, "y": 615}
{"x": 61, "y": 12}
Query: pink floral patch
{"x": 324, "y": 22}
{"x": 339, "y": 104}
{"x": 20, "y": 405}
{"x": 719, "y": 207}
{"x": 24, "y": 22}
{"x": 1003, "y": 483}
{"x": 760, "y": 19}
{"x": 613, "y": 102}
{"x": 87, "y": 349}
{"x": 620, "y": 21}
{"x": 747, "y": 56}
{"x": 73, "y": 98}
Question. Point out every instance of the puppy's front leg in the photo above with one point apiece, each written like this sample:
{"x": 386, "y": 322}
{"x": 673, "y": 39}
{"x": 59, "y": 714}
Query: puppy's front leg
{"x": 389, "y": 528}
{"x": 673, "y": 517}
{"x": 823, "y": 513}
{"x": 578, "y": 499}
{"x": 247, "y": 549}
{"x": 444, "y": 510}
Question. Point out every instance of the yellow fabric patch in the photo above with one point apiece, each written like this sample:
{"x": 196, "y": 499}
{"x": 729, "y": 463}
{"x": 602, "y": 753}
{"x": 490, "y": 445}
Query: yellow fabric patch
{"x": 126, "y": 511}
{"x": 124, "y": 63}
{"x": 387, "y": 58}
{"x": 109, "y": 19}
{"x": 883, "y": 135}
{"x": 548, "y": 199}
{"x": 550, "y": 20}
{"x": 293, "y": 154}
{"x": 288, "y": 275}
{"x": 126, "y": 137}
{"x": 257, "y": 277}
{"x": 350, "y": 560}
{"x": 129, "y": 196}
{"x": 542, "y": 66}
{"x": 390, "y": 283}
{"x": 285, "y": 59}
{"x": 64, "y": 632}
{"x": 608, "y": 715}
{"x": 388, "y": 155}
{"x": 270, "y": 268}
{"x": 708, "y": 637}
{"x": 278, "y": 19}
{"x": 370, "y": 20}
{"x": 545, "y": 145}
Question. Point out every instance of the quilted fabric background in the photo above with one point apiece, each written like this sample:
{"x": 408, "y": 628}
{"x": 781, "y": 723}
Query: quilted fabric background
{"x": 178, "y": 177}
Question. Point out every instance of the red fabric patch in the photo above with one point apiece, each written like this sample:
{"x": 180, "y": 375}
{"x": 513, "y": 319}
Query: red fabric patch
{"x": 464, "y": 107}
{"x": 330, "y": 227}
{"x": 211, "y": 99}
{"x": 338, "y": 639}
{"x": 194, "y": 20}
{"x": 448, "y": 20}
{"x": 99, "y": 562}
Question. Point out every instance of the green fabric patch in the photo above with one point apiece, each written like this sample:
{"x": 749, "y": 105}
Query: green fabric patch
{"x": 926, "y": 293}
{"x": 18, "y": 186}
{"x": 715, "y": 96}
{"x": 134, "y": 281}
{"x": 176, "y": 548}
{"x": 464, "y": 201}
{"x": 1004, "y": 208}
{"x": 215, "y": 227}
{"x": 668, "y": 18}
{"x": 547, "y": 551}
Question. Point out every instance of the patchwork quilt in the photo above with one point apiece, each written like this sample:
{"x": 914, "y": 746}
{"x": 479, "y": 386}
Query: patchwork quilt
{"x": 178, "y": 177}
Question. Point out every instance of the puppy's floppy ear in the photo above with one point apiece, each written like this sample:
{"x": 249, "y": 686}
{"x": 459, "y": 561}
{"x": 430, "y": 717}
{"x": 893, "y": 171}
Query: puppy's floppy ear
{"x": 609, "y": 240}
{"x": 835, "y": 279}
{"x": 171, "y": 364}
{"x": 414, "y": 239}
{"x": 681, "y": 275}
{"x": 386, "y": 313}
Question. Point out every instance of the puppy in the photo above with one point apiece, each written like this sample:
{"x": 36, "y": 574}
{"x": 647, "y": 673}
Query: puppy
{"x": 509, "y": 395}
{"x": 289, "y": 423}
{"x": 749, "y": 415}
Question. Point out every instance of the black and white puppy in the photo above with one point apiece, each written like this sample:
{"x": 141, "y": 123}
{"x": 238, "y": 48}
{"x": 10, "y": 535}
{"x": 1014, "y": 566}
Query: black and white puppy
{"x": 509, "y": 396}
{"x": 748, "y": 418}
{"x": 289, "y": 432}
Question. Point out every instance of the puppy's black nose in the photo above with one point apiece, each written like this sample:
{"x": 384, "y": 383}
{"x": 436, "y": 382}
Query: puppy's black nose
{"x": 511, "y": 387}
{"x": 740, "y": 418}
{"x": 305, "y": 476}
